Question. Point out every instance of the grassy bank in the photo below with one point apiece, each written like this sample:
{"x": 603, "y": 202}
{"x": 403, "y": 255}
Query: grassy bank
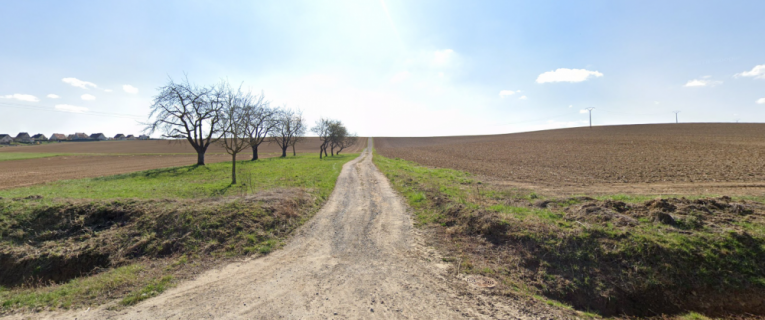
{"x": 129, "y": 237}
{"x": 213, "y": 180}
{"x": 660, "y": 256}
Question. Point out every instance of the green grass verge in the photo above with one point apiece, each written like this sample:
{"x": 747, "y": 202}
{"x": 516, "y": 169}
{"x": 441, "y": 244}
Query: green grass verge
{"x": 587, "y": 259}
{"x": 212, "y": 180}
{"x": 73, "y": 292}
{"x": 6, "y": 156}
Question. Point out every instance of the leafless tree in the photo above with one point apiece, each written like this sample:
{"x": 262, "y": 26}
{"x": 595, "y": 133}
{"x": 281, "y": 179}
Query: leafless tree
{"x": 234, "y": 123}
{"x": 299, "y": 129}
{"x": 322, "y": 129}
{"x": 350, "y": 140}
{"x": 289, "y": 126}
{"x": 337, "y": 134}
{"x": 185, "y": 111}
{"x": 260, "y": 121}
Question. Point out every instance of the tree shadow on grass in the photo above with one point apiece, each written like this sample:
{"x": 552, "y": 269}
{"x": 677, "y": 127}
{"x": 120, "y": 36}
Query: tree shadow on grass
{"x": 156, "y": 173}
{"x": 222, "y": 191}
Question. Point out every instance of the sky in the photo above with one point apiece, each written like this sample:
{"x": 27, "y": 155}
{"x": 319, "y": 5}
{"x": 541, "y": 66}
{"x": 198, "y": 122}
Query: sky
{"x": 387, "y": 67}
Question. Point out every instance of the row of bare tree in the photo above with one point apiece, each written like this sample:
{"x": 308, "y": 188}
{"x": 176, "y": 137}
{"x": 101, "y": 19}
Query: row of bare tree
{"x": 236, "y": 119}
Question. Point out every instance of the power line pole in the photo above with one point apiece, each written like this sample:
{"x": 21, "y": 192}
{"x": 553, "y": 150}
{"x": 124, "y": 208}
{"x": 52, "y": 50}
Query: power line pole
{"x": 590, "y": 110}
{"x": 676, "y": 112}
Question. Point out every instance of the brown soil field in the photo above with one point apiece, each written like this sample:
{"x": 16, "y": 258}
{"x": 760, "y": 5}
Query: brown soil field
{"x": 21, "y": 173}
{"x": 636, "y": 159}
{"x": 311, "y": 144}
{"x": 145, "y": 156}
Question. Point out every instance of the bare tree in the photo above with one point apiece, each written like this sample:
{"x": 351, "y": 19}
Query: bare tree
{"x": 299, "y": 129}
{"x": 338, "y": 132}
{"x": 350, "y": 140}
{"x": 186, "y": 111}
{"x": 322, "y": 129}
{"x": 234, "y": 121}
{"x": 289, "y": 125}
{"x": 260, "y": 121}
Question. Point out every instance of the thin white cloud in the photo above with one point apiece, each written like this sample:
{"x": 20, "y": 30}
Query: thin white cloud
{"x": 702, "y": 83}
{"x": 21, "y": 97}
{"x": 79, "y": 83}
{"x": 571, "y": 106}
{"x": 761, "y": 101}
{"x": 130, "y": 89}
{"x": 523, "y": 98}
{"x": 758, "y": 72}
{"x": 505, "y": 93}
{"x": 108, "y": 90}
{"x": 567, "y": 75}
{"x": 53, "y": 96}
{"x": 443, "y": 57}
{"x": 88, "y": 97}
{"x": 70, "y": 108}
{"x": 583, "y": 111}
{"x": 401, "y": 76}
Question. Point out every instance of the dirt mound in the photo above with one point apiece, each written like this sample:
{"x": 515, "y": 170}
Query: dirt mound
{"x": 60, "y": 240}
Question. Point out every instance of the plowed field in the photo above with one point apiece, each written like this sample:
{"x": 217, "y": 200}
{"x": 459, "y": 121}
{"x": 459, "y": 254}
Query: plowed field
{"x": 127, "y": 156}
{"x": 665, "y": 158}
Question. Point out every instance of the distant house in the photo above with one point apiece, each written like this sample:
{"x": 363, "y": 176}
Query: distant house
{"x": 120, "y": 137}
{"x": 143, "y": 137}
{"x": 98, "y": 137}
{"x": 79, "y": 136}
{"x": 5, "y": 139}
{"x": 57, "y": 137}
{"x": 130, "y": 137}
{"x": 23, "y": 137}
{"x": 40, "y": 137}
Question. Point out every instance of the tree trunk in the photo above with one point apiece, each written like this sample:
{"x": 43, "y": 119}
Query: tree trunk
{"x": 200, "y": 158}
{"x": 294, "y": 154}
{"x": 233, "y": 168}
{"x": 284, "y": 151}
{"x": 321, "y": 150}
{"x": 255, "y": 152}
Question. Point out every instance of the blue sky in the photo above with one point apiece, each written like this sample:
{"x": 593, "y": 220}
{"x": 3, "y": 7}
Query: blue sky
{"x": 388, "y": 68}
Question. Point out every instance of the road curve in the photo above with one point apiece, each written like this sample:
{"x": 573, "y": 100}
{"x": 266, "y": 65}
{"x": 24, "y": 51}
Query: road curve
{"x": 358, "y": 258}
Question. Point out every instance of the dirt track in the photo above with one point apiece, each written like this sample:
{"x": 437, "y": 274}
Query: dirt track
{"x": 358, "y": 258}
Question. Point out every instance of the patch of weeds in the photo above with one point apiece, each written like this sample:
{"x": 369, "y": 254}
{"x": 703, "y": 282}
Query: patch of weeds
{"x": 80, "y": 291}
{"x": 154, "y": 288}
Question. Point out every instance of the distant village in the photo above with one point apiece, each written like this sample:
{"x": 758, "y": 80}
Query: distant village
{"x": 24, "y": 137}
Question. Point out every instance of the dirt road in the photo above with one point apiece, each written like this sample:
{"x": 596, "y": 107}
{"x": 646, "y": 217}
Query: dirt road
{"x": 358, "y": 258}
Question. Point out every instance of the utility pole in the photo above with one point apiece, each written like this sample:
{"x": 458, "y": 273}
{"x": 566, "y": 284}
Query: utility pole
{"x": 676, "y": 112}
{"x": 590, "y": 110}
